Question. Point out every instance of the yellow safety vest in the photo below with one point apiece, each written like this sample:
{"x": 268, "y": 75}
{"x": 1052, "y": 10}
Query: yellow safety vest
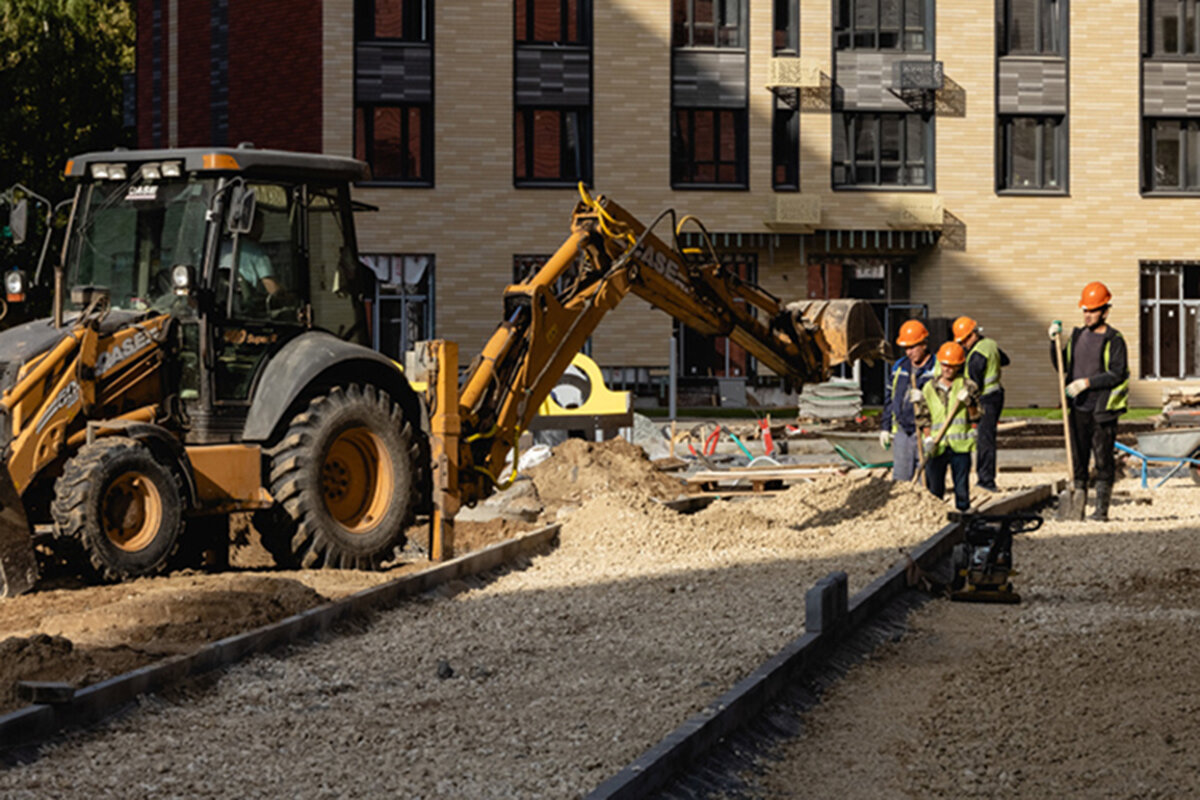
{"x": 960, "y": 436}
{"x": 991, "y": 372}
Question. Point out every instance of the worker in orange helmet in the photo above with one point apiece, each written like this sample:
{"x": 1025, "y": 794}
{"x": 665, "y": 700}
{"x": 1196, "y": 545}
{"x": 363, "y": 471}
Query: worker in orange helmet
{"x": 950, "y": 403}
{"x": 1096, "y": 366}
{"x": 897, "y": 425}
{"x": 984, "y": 362}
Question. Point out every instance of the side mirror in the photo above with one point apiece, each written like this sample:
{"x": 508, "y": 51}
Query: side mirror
{"x": 18, "y": 221}
{"x": 242, "y": 203}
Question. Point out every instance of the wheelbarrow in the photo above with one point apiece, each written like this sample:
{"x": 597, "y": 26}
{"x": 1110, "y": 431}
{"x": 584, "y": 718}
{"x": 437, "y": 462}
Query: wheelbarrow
{"x": 860, "y": 449}
{"x": 1176, "y": 446}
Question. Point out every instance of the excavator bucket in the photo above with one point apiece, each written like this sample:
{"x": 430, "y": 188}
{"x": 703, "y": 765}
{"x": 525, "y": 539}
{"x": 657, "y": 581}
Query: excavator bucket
{"x": 18, "y": 565}
{"x": 850, "y": 329}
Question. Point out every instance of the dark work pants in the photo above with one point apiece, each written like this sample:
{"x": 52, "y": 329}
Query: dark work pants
{"x": 1088, "y": 435}
{"x": 990, "y": 407}
{"x": 960, "y": 472}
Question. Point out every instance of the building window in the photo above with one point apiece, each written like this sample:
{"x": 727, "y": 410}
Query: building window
{"x": 787, "y": 27}
{"x": 1032, "y": 27}
{"x": 1172, "y": 155}
{"x": 707, "y": 23}
{"x": 1170, "y": 319}
{"x": 785, "y": 149}
{"x": 882, "y": 150}
{"x": 552, "y": 22}
{"x": 1173, "y": 28}
{"x": 397, "y": 141}
{"x": 1033, "y": 154}
{"x": 553, "y": 146}
{"x": 881, "y": 25}
{"x": 708, "y": 147}
{"x": 393, "y": 20}
{"x": 403, "y": 302}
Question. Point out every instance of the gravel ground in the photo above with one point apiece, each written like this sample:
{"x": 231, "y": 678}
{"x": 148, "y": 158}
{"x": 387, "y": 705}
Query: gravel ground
{"x": 1087, "y": 689}
{"x": 541, "y": 683}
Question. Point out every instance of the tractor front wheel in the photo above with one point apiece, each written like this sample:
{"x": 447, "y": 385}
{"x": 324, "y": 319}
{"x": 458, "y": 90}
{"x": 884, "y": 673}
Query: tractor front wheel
{"x": 122, "y": 506}
{"x": 347, "y": 475}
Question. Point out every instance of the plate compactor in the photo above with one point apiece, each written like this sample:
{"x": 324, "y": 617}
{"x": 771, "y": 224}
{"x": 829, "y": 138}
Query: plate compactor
{"x": 982, "y": 563}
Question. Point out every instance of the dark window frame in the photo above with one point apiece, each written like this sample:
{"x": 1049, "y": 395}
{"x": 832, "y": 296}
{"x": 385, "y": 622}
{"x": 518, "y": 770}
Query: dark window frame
{"x": 583, "y": 24}
{"x": 1004, "y": 29}
{"x": 1053, "y": 124}
{"x": 1150, "y": 184}
{"x": 851, "y": 165}
{"x": 585, "y": 137}
{"x": 720, "y": 22}
{"x": 420, "y": 18}
{"x": 741, "y": 145}
{"x": 368, "y": 154}
{"x": 849, "y": 36}
{"x": 785, "y": 148}
{"x": 1184, "y": 10}
{"x": 1169, "y": 320}
{"x": 786, "y": 21}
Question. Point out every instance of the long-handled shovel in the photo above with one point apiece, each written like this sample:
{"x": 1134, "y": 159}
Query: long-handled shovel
{"x": 1071, "y": 503}
{"x": 954, "y": 404}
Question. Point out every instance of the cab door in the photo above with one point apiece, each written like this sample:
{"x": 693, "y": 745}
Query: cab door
{"x": 259, "y": 291}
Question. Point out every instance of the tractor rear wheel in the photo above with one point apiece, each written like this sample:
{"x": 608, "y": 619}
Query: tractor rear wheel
{"x": 122, "y": 506}
{"x": 347, "y": 475}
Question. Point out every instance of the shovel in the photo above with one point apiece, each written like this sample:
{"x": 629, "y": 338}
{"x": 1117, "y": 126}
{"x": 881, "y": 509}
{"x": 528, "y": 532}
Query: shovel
{"x": 954, "y": 404}
{"x": 1071, "y": 503}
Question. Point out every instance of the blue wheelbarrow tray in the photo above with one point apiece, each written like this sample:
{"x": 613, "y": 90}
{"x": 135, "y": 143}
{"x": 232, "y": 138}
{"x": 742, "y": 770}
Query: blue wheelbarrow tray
{"x": 1177, "y": 446}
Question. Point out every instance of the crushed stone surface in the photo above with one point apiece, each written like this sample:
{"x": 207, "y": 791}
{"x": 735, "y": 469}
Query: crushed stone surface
{"x": 542, "y": 682}
{"x": 1089, "y": 688}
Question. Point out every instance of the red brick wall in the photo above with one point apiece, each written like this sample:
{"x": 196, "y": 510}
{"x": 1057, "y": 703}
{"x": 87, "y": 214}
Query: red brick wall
{"x": 195, "y": 66}
{"x": 144, "y": 71}
{"x": 275, "y": 74}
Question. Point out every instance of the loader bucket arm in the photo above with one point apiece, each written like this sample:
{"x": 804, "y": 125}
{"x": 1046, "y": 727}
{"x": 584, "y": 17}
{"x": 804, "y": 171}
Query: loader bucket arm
{"x": 545, "y": 324}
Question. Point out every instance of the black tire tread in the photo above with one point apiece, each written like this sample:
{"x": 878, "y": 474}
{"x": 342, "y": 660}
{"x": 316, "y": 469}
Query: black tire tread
{"x": 296, "y": 538}
{"x": 69, "y": 507}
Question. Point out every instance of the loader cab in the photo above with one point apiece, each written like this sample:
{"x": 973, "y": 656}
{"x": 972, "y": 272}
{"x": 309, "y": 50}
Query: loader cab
{"x": 243, "y": 249}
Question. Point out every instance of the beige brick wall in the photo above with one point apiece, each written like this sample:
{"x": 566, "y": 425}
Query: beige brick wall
{"x": 1025, "y": 259}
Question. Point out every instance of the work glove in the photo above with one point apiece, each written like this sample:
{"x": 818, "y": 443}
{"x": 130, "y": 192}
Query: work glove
{"x": 963, "y": 396}
{"x": 885, "y": 439}
{"x": 927, "y": 446}
{"x": 1077, "y": 387}
{"x": 915, "y": 396}
{"x": 1055, "y": 329}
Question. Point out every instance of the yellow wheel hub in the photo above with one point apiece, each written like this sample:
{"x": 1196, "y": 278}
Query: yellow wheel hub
{"x": 357, "y": 479}
{"x": 132, "y": 512}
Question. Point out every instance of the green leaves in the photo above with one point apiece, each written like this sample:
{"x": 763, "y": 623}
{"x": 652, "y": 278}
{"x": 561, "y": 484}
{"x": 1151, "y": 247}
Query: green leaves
{"x": 61, "y": 63}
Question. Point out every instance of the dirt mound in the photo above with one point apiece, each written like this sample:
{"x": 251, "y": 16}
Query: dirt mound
{"x": 54, "y": 658}
{"x": 579, "y": 470}
{"x": 831, "y": 515}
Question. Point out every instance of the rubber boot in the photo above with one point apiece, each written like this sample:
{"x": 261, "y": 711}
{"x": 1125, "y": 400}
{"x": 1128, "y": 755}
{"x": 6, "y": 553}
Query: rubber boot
{"x": 1103, "y": 498}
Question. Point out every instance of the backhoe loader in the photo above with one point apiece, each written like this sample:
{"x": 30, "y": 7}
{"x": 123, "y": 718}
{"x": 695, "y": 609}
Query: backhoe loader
{"x": 207, "y": 354}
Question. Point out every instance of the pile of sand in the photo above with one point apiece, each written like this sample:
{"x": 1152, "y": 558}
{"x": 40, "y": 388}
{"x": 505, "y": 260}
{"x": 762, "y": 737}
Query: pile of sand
{"x": 579, "y": 470}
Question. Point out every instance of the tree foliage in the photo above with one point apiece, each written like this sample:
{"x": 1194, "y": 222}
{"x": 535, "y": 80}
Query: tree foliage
{"x": 61, "y": 63}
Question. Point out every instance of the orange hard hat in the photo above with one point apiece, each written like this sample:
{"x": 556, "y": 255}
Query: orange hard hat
{"x": 952, "y": 353}
{"x": 912, "y": 333}
{"x": 963, "y": 327}
{"x": 1095, "y": 295}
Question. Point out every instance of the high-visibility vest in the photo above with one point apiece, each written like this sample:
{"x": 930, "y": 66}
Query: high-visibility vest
{"x": 960, "y": 436}
{"x": 991, "y": 373}
{"x": 1118, "y": 396}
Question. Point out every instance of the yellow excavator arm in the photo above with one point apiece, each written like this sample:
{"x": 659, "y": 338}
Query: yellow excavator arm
{"x": 475, "y": 422}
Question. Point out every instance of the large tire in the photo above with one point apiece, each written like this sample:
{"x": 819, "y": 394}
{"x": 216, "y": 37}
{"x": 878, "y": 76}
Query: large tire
{"x": 122, "y": 506}
{"x": 347, "y": 475}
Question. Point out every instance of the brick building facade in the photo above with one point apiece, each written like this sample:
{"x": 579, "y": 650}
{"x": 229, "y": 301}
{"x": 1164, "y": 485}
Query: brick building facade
{"x": 1062, "y": 147}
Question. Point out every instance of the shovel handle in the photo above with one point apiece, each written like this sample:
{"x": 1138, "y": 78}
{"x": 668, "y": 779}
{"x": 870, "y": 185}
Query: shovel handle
{"x": 1062, "y": 399}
